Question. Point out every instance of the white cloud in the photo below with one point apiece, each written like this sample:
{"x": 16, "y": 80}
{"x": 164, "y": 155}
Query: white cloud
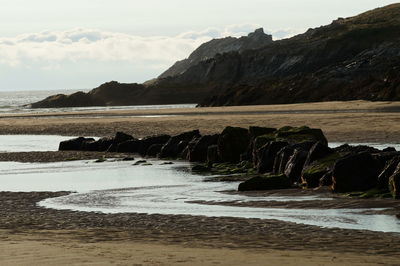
{"x": 87, "y": 57}
{"x": 87, "y": 44}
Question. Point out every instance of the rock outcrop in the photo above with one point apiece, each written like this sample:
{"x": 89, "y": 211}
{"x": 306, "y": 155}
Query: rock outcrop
{"x": 208, "y": 50}
{"x": 287, "y": 158}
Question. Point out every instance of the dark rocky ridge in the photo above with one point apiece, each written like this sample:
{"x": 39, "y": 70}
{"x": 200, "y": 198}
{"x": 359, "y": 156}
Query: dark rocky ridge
{"x": 210, "y": 49}
{"x": 350, "y": 59}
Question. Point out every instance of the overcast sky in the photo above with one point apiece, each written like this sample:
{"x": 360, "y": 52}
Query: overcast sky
{"x": 54, "y": 44}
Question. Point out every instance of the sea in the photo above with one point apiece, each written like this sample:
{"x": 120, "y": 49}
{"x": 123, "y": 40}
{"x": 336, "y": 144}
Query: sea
{"x": 14, "y": 102}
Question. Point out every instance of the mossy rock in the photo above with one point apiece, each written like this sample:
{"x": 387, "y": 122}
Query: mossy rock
{"x": 301, "y": 134}
{"x": 201, "y": 168}
{"x": 265, "y": 182}
{"x": 316, "y": 170}
{"x": 263, "y": 140}
{"x": 259, "y": 131}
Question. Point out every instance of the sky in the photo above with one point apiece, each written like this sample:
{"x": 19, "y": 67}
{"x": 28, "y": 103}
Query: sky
{"x": 59, "y": 44}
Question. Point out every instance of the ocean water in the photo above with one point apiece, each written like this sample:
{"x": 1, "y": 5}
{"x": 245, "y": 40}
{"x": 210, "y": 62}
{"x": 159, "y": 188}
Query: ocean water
{"x": 14, "y": 102}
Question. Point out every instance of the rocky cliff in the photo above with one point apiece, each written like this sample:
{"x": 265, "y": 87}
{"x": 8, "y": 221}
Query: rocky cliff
{"x": 254, "y": 40}
{"x": 352, "y": 58}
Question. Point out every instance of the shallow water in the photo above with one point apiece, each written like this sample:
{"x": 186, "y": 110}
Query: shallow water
{"x": 26, "y": 143}
{"x": 116, "y": 186}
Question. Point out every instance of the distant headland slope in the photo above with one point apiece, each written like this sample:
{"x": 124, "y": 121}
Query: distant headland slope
{"x": 350, "y": 59}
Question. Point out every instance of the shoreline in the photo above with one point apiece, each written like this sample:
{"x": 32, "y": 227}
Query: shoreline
{"x": 338, "y": 126}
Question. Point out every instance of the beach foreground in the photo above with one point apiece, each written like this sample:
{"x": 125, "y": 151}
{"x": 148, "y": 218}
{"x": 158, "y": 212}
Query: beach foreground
{"x": 45, "y": 236}
{"x": 35, "y": 235}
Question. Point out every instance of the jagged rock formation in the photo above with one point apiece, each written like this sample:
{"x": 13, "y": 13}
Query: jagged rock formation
{"x": 350, "y": 59}
{"x": 254, "y": 40}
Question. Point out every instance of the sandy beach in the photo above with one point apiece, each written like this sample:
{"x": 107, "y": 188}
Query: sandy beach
{"x": 34, "y": 235}
{"x": 356, "y": 121}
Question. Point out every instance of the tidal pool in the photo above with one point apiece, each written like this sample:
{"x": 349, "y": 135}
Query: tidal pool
{"x": 117, "y": 186}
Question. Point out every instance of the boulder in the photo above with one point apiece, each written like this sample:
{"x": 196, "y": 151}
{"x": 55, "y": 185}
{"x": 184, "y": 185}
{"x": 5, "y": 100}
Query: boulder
{"x": 258, "y": 143}
{"x": 233, "y": 142}
{"x": 394, "y": 183}
{"x": 104, "y": 143}
{"x": 174, "y": 146}
{"x": 355, "y": 172}
{"x": 146, "y": 142}
{"x": 75, "y": 144}
{"x": 255, "y": 132}
{"x": 212, "y": 154}
{"x": 318, "y": 151}
{"x": 387, "y": 172}
{"x": 384, "y": 157}
{"x": 283, "y": 156}
{"x": 294, "y": 166}
{"x": 266, "y": 155}
{"x": 131, "y": 146}
{"x": 90, "y": 145}
{"x": 265, "y": 182}
{"x": 119, "y": 138}
{"x": 345, "y": 148}
{"x": 197, "y": 151}
{"x": 314, "y": 171}
{"x": 154, "y": 150}
{"x": 301, "y": 134}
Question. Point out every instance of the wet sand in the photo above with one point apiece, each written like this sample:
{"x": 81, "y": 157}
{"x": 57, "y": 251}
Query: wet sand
{"x": 50, "y": 236}
{"x": 356, "y": 121}
{"x": 33, "y": 235}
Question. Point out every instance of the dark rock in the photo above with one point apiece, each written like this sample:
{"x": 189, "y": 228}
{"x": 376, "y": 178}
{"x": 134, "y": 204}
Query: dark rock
{"x": 119, "y": 138}
{"x": 128, "y": 159}
{"x": 294, "y": 166}
{"x": 356, "y": 149}
{"x": 259, "y": 131}
{"x": 258, "y": 143}
{"x": 104, "y": 143}
{"x": 301, "y": 134}
{"x": 266, "y": 156}
{"x": 318, "y": 151}
{"x": 357, "y": 172}
{"x": 212, "y": 154}
{"x": 285, "y": 153}
{"x": 233, "y": 142}
{"x": 131, "y": 146}
{"x": 210, "y": 49}
{"x": 394, "y": 183}
{"x": 175, "y": 145}
{"x": 198, "y": 151}
{"x": 265, "y": 182}
{"x": 389, "y": 149}
{"x": 326, "y": 179}
{"x": 140, "y": 162}
{"x": 154, "y": 150}
{"x": 200, "y": 168}
{"x": 90, "y": 145}
{"x": 384, "y": 157}
{"x": 165, "y": 163}
{"x": 388, "y": 171}
{"x": 75, "y": 144}
{"x": 146, "y": 142}
{"x": 317, "y": 169}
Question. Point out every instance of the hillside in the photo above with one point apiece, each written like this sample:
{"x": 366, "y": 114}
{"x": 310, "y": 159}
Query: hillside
{"x": 352, "y": 58}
